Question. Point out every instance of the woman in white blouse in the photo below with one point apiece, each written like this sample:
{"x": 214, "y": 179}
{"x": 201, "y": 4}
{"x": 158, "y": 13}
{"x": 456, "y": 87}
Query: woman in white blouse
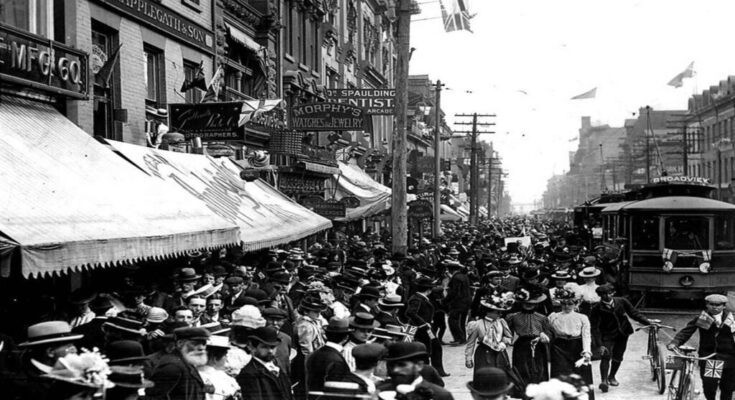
{"x": 571, "y": 346}
{"x": 489, "y": 337}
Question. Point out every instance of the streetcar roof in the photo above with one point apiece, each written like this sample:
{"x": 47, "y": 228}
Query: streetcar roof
{"x": 617, "y": 206}
{"x": 687, "y": 203}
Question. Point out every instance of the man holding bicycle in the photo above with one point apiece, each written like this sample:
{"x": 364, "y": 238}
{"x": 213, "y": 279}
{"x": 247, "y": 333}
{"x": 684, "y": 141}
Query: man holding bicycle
{"x": 716, "y": 328}
{"x": 610, "y": 330}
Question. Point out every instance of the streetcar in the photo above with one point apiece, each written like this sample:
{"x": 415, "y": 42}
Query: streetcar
{"x": 676, "y": 241}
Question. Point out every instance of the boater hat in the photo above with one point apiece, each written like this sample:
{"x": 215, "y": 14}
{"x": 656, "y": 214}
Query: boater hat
{"x": 49, "y": 332}
{"x": 589, "y": 272}
{"x": 363, "y": 320}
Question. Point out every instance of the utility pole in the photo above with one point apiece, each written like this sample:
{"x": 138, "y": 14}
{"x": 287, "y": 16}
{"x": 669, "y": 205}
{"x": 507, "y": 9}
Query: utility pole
{"x": 648, "y": 144}
{"x": 474, "y": 170}
{"x": 602, "y": 171}
{"x": 490, "y": 167}
{"x": 437, "y": 160}
{"x": 399, "y": 211}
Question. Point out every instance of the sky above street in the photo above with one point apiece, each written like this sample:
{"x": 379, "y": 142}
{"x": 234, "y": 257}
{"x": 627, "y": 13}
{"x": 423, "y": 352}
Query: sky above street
{"x": 526, "y": 59}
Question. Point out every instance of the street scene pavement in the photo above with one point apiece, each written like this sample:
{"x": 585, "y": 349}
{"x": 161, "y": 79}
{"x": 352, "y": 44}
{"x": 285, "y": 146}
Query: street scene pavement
{"x": 634, "y": 376}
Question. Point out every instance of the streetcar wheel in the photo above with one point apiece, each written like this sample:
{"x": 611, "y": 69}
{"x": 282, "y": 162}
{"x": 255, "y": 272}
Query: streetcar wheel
{"x": 661, "y": 368}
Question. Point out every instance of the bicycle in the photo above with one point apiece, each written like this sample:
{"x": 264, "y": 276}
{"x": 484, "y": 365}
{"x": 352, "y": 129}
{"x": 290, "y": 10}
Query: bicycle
{"x": 681, "y": 385}
{"x": 655, "y": 354}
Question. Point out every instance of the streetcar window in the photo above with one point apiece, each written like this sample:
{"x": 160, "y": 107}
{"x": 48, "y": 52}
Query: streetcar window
{"x": 687, "y": 233}
{"x": 645, "y": 233}
{"x": 724, "y": 233}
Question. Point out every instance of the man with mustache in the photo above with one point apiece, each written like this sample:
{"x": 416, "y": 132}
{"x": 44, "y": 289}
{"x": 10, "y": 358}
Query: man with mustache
{"x": 176, "y": 376}
{"x": 405, "y": 361}
{"x": 263, "y": 378}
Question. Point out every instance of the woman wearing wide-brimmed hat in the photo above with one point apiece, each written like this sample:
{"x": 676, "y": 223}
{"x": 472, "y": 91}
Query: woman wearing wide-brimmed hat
{"x": 488, "y": 337}
{"x": 530, "y": 364}
{"x": 571, "y": 349}
{"x": 587, "y": 292}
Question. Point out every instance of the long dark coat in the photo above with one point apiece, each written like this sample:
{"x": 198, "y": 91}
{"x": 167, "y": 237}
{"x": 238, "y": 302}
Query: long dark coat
{"x": 257, "y": 383}
{"x": 175, "y": 380}
{"x": 606, "y": 323}
{"x": 325, "y": 364}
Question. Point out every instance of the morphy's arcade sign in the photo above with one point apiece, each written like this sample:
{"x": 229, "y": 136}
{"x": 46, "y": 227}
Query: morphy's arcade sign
{"x": 327, "y": 116}
{"x": 43, "y": 64}
{"x": 166, "y": 20}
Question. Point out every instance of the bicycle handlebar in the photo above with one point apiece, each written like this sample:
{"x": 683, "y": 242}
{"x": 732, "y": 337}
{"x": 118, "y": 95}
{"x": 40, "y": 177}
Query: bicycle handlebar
{"x": 657, "y": 325}
{"x": 693, "y": 358}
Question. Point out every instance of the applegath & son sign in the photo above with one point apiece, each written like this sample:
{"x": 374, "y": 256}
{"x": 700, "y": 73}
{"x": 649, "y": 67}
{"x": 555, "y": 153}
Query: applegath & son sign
{"x": 40, "y": 63}
{"x": 327, "y": 116}
{"x": 166, "y": 20}
{"x": 373, "y": 101}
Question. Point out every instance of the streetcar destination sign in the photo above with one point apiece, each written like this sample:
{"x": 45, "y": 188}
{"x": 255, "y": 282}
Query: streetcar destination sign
{"x": 682, "y": 179}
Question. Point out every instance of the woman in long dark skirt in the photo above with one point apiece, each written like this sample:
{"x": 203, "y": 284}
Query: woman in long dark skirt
{"x": 488, "y": 337}
{"x": 572, "y": 342}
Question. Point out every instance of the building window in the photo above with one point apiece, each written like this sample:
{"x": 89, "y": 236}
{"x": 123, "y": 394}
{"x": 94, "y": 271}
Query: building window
{"x": 29, "y": 15}
{"x": 303, "y": 39}
{"x": 289, "y": 29}
{"x": 332, "y": 79}
{"x": 315, "y": 44}
{"x": 191, "y": 70}
{"x": 106, "y": 81}
{"x": 153, "y": 75}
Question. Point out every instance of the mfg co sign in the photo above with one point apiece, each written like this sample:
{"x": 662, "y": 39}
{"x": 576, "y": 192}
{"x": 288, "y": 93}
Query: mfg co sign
{"x": 327, "y": 116}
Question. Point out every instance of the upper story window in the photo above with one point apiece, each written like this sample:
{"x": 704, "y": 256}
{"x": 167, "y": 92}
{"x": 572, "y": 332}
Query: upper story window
{"x": 154, "y": 75}
{"x": 191, "y": 70}
{"x": 34, "y": 16}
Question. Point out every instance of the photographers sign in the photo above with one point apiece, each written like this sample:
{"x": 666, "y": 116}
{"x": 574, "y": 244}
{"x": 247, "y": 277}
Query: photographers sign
{"x": 373, "y": 101}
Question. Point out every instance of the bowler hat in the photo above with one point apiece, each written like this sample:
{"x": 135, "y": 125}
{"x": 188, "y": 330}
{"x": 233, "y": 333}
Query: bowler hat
{"x": 604, "y": 289}
{"x": 363, "y": 320}
{"x": 369, "y": 292}
{"x": 406, "y": 351}
{"x": 125, "y": 352}
{"x": 368, "y": 352}
{"x": 49, "y": 332}
{"x": 128, "y": 377}
{"x": 424, "y": 283}
{"x": 313, "y": 304}
{"x": 490, "y": 382}
{"x": 338, "y": 325}
{"x": 266, "y": 335}
{"x": 187, "y": 275}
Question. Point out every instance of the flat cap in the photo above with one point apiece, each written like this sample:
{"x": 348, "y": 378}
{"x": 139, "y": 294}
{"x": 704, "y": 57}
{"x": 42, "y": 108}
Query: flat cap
{"x": 274, "y": 313}
{"x": 716, "y": 298}
{"x": 191, "y": 334}
{"x": 234, "y": 280}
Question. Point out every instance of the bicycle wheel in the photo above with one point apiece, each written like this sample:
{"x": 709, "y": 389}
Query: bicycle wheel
{"x": 652, "y": 359}
{"x": 661, "y": 368}
{"x": 686, "y": 389}
{"x": 674, "y": 385}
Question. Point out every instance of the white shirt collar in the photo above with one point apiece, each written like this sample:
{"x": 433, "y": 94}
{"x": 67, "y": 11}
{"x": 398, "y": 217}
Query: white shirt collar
{"x": 335, "y": 346}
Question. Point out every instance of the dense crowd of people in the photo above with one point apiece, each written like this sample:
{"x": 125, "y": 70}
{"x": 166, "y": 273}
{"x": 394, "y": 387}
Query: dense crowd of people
{"x": 343, "y": 318}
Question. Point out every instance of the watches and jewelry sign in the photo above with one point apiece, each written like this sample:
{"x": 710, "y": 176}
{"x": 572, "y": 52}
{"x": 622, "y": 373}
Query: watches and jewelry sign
{"x": 208, "y": 121}
{"x": 373, "y": 101}
{"x": 166, "y": 20}
{"x": 43, "y": 64}
{"x": 327, "y": 116}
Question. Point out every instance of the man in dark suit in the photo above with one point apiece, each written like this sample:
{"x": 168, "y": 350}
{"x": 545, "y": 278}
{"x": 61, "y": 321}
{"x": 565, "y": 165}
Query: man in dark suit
{"x": 176, "y": 375}
{"x": 327, "y": 363}
{"x": 405, "y": 360}
{"x": 420, "y": 312}
{"x": 508, "y": 282}
{"x": 716, "y": 327}
{"x": 610, "y": 330}
{"x": 458, "y": 301}
{"x": 237, "y": 290}
{"x": 262, "y": 378}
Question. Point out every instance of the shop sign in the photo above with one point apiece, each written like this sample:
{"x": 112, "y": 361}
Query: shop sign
{"x": 425, "y": 164}
{"x": 420, "y": 209}
{"x": 268, "y": 121}
{"x": 208, "y": 121}
{"x": 695, "y": 180}
{"x": 43, "y": 64}
{"x": 327, "y": 116}
{"x": 373, "y": 101}
{"x": 350, "y": 201}
{"x": 166, "y": 20}
{"x": 331, "y": 209}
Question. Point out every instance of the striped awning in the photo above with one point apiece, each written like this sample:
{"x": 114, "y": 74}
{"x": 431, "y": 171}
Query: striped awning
{"x": 266, "y": 217}
{"x": 69, "y": 203}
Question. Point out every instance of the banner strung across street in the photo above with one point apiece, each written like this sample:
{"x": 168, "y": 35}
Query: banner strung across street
{"x": 373, "y": 101}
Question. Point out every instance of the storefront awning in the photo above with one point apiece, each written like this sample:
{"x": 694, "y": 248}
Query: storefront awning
{"x": 69, "y": 202}
{"x": 266, "y": 217}
{"x": 243, "y": 39}
{"x": 374, "y": 197}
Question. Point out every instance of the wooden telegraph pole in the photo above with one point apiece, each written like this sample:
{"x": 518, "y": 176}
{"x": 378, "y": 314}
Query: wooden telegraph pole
{"x": 437, "y": 161}
{"x": 399, "y": 211}
{"x": 474, "y": 164}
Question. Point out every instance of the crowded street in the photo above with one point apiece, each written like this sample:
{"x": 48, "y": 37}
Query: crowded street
{"x": 366, "y": 200}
